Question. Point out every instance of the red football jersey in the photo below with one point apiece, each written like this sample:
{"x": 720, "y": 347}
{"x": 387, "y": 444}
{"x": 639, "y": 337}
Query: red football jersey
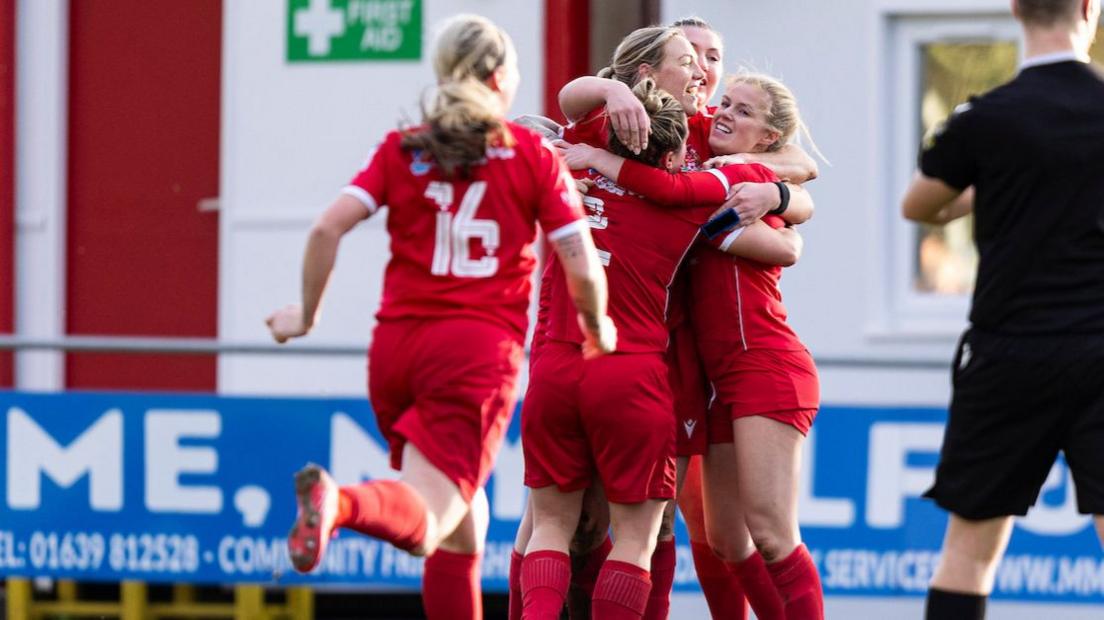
{"x": 592, "y": 129}
{"x": 738, "y": 303}
{"x": 464, "y": 246}
{"x": 642, "y": 245}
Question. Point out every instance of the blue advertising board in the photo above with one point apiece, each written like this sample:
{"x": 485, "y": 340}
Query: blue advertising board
{"x": 165, "y": 488}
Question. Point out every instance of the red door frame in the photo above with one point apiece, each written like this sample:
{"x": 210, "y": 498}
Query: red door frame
{"x": 7, "y": 183}
{"x": 566, "y": 48}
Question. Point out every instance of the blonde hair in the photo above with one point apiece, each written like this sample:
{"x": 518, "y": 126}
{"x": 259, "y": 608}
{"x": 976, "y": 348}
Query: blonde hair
{"x": 783, "y": 115}
{"x": 642, "y": 46}
{"x": 463, "y": 114}
{"x": 668, "y": 125}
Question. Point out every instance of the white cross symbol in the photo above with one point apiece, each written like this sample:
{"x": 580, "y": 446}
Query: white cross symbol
{"x": 319, "y": 23}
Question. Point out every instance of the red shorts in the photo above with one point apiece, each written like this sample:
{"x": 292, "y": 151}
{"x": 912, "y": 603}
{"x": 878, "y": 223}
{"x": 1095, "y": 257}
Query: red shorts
{"x": 691, "y": 392}
{"x": 780, "y": 385}
{"x": 608, "y": 417}
{"x": 448, "y": 387}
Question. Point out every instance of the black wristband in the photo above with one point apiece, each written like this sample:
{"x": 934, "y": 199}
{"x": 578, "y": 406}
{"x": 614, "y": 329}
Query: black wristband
{"x": 784, "y": 193}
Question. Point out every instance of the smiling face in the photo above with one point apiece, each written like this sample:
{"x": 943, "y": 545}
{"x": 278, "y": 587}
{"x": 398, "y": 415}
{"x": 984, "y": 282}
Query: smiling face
{"x": 740, "y": 122}
{"x": 710, "y": 53}
{"x": 678, "y": 73}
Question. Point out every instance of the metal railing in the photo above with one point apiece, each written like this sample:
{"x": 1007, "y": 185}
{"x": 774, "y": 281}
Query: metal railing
{"x": 209, "y": 346}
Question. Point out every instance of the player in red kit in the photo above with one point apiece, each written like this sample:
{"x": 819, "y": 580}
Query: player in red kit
{"x": 767, "y": 391}
{"x": 466, "y": 192}
{"x": 602, "y": 103}
{"x": 751, "y": 200}
{"x": 611, "y": 420}
{"x": 766, "y": 385}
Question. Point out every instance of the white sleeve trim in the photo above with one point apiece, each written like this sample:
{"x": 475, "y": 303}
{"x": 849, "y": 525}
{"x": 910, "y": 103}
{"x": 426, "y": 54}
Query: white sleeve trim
{"x": 577, "y": 226}
{"x": 363, "y": 196}
{"x": 731, "y": 238}
{"x": 720, "y": 176}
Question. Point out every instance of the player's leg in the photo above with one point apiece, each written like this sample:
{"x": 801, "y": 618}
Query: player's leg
{"x": 521, "y": 541}
{"x": 546, "y": 569}
{"x": 723, "y": 591}
{"x": 558, "y": 469}
{"x": 664, "y": 556}
{"x": 768, "y": 454}
{"x": 625, "y": 581}
{"x": 727, "y": 532}
{"x": 590, "y": 546}
{"x": 451, "y": 582}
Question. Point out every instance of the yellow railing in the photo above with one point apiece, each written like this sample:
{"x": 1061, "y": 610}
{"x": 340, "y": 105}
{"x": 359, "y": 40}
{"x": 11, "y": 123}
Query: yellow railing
{"x": 249, "y": 604}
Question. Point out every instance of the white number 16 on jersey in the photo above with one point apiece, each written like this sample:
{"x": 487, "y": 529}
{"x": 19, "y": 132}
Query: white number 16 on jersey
{"x": 452, "y": 248}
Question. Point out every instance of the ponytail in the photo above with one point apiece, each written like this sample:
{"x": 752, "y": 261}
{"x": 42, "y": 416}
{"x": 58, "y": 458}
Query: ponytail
{"x": 668, "y": 125}
{"x": 463, "y": 115}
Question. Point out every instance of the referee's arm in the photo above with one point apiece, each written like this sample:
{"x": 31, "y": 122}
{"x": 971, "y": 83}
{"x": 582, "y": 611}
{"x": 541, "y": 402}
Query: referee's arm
{"x": 931, "y": 201}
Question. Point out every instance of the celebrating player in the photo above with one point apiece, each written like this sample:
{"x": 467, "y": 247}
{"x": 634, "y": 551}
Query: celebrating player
{"x": 612, "y": 420}
{"x": 465, "y": 191}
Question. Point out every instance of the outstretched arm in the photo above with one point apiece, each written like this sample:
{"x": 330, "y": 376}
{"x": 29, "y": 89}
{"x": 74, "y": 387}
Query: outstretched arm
{"x": 297, "y": 320}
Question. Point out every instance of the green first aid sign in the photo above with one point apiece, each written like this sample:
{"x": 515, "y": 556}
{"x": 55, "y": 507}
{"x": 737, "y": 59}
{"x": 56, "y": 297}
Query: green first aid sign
{"x": 338, "y": 30}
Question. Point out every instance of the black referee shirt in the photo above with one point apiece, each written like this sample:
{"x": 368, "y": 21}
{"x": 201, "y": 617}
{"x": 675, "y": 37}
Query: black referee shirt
{"x": 1034, "y": 150}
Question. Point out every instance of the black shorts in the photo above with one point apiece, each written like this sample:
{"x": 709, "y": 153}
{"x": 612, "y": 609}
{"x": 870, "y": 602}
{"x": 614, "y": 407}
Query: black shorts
{"x": 1017, "y": 402}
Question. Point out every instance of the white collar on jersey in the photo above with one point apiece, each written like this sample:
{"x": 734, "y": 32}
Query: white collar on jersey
{"x": 1052, "y": 58}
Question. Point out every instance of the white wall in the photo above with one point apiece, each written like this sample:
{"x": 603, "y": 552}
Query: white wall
{"x": 292, "y": 137}
{"x": 836, "y": 58}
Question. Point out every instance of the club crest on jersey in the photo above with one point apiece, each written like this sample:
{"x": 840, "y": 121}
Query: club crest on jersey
{"x": 420, "y": 167}
{"x": 595, "y": 210}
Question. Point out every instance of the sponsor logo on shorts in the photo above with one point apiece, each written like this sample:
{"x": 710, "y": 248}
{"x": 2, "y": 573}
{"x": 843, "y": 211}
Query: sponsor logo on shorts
{"x": 689, "y": 426}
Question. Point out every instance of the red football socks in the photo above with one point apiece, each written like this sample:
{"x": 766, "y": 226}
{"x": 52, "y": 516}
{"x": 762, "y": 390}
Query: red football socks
{"x": 723, "y": 591}
{"x": 545, "y": 576}
{"x": 621, "y": 592}
{"x": 451, "y": 588}
{"x": 759, "y": 588}
{"x": 515, "y": 585}
{"x": 386, "y": 509}
{"x": 663, "y": 579}
{"x": 799, "y": 585}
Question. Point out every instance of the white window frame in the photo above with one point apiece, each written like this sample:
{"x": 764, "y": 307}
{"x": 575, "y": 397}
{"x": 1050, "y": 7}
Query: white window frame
{"x": 908, "y": 312}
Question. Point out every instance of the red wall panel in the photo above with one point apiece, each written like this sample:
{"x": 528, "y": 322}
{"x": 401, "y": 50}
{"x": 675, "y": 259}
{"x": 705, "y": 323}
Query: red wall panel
{"x": 7, "y": 182}
{"x": 566, "y": 48}
{"x": 143, "y": 150}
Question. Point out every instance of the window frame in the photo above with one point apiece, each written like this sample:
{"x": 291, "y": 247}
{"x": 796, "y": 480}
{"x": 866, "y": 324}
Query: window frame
{"x": 908, "y": 311}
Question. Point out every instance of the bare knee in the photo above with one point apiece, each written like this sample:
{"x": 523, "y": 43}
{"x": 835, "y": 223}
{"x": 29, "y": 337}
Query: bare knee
{"x": 730, "y": 544}
{"x": 773, "y": 538}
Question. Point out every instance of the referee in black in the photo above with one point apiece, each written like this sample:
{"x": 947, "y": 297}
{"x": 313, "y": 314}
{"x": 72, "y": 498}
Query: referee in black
{"x": 1028, "y": 374}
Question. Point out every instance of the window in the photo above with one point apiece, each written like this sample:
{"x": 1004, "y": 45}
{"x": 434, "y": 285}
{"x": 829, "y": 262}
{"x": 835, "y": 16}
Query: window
{"x": 945, "y": 256}
{"x": 937, "y": 63}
